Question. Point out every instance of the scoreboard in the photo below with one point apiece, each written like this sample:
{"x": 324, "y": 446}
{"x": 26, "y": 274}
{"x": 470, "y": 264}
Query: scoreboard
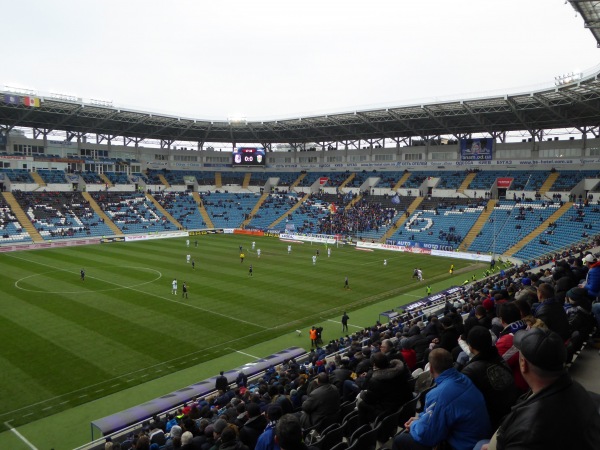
{"x": 248, "y": 156}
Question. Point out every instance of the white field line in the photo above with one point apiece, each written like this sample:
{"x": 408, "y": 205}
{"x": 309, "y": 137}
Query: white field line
{"x": 20, "y": 436}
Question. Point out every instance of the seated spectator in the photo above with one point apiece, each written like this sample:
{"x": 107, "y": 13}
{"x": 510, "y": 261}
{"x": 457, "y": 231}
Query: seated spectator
{"x": 409, "y": 354}
{"x": 229, "y": 440}
{"x": 288, "y": 434}
{"x": 386, "y": 388}
{"x": 254, "y": 426}
{"x": 558, "y": 412}
{"x": 511, "y": 321}
{"x": 322, "y": 403}
{"x": 490, "y": 374}
{"x": 579, "y": 311}
{"x": 551, "y": 311}
{"x": 454, "y": 412}
{"x": 266, "y": 441}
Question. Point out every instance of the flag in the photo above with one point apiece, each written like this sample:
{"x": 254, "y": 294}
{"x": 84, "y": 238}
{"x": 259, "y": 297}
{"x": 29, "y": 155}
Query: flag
{"x": 332, "y": 209}
{"x": 31, "y": 101}
{"x": 12, "y": 99}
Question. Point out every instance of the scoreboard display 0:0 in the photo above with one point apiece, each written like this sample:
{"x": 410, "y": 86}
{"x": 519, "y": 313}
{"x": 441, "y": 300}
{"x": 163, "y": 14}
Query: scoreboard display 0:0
{"x": 248, "y": 156}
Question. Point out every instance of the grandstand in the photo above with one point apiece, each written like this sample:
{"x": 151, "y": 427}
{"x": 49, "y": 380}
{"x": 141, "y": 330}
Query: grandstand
{"x": 409, "y": 187}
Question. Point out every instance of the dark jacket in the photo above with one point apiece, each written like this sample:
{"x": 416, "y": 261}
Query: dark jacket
{"x": 554, "y": 316}
{"x": 562, "y": 415}
{"x": 420, "y": 343}
{"x": 386, "y": 390}
{"x": 323, "y": 402}
{"x": 492, "y": 376}
{"x": 449, "y": 338}
{"x": 221, "y": 383}
{"x": 338, "y": 376}
{"x": 252, "y": 429}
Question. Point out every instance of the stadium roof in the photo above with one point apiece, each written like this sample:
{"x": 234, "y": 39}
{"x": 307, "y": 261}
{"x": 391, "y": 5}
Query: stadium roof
{"x": 590, "y": 11}
{"x": 573, "y": 103}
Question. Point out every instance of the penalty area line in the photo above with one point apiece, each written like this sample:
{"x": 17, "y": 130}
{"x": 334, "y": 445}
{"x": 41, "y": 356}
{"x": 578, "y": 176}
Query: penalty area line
{"x": 246, "y": 354}
{"x": 20, "y": 436}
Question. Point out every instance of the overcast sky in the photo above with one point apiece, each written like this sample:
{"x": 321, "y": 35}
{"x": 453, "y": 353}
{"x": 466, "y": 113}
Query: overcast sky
{"x": 265, "y": 59}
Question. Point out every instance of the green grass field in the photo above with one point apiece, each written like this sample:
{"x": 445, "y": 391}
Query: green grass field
{"x": 67, "y": 342}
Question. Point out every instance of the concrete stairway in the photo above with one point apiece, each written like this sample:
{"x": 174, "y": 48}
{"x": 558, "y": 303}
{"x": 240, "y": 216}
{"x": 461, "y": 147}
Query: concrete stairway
{"x": 203, "y": 212}
{"x": 289, "y": 211}
{"x": 107, "y": 221}
{"x": 38, "y": 179}
{"x": 477, "y": 226}
{"x": 22, "y": 217}
{"x": 298, "y": 180}
{"x": 164, "y": 211}
{"x": 255, "y": 209}
{"x": 347, "y": 180}
{"x": 246, "y": 181}
{"x": 354, "y": 201}
{"x": 106, "y": 180}
{"x": 164, "y": 181}
{"x": 549, "y": 182}
{"x": 401, "y": 181}
{"x": 400, "y": 221}
{"x": 466, "y": 182}
{"x": 539, "y": 230}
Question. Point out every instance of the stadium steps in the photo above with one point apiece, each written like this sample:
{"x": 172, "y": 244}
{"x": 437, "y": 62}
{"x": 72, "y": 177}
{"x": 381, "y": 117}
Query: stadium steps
{"x": 164, "y": 211}
{"x": 203, "y": 212}
{"x": 548, "y": 183}
{"x": 539, "y": 230}
{"x": 164, "y": 181}
{"x": 289, "y": 211}
{"x": 22, "y": 217}
{"x": 402, "y": 218}
{"x": 466, "y": 182}
{"x": 38, "y": 179}
{"x": 106, "y": 180}
{"x": 353, "y": 202}
{"x": 478, "y": 225}
{"x": 347, "y": 180}
{"x": 401, "y": 181}
{"x": 107, "y": 221}
{"x": 218, "y": 180}
{"x": 259, "y": 203}
{"x": 298, "y": 180}
{"x": 246, "y": 181}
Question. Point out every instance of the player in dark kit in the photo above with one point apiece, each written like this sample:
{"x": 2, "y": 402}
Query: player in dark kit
{"x": 185, "y": 292}
{"x": 250, "y": 270}
{"x": 82, "y": 273}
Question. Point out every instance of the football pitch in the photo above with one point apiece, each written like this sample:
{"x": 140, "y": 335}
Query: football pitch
{"x": 68, "y": 341}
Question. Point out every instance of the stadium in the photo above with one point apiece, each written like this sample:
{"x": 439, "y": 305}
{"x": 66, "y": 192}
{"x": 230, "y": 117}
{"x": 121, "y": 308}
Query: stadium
{"x": 144, "y": 253}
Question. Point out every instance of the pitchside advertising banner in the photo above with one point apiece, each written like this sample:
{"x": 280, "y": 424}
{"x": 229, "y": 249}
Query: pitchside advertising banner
{"x": 476, "y": 149}
{"x": 424, "y": 251}
{"x": 320, "y": 238}
{"x": 420, "y": 245}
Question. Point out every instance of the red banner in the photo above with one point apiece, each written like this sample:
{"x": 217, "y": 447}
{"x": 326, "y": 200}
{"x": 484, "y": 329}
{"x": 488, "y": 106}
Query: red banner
{"x": 504, "y": 182}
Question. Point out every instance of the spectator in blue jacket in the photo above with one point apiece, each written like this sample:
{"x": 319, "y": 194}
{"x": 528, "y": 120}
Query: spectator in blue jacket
{"x": 454, "y": 411}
